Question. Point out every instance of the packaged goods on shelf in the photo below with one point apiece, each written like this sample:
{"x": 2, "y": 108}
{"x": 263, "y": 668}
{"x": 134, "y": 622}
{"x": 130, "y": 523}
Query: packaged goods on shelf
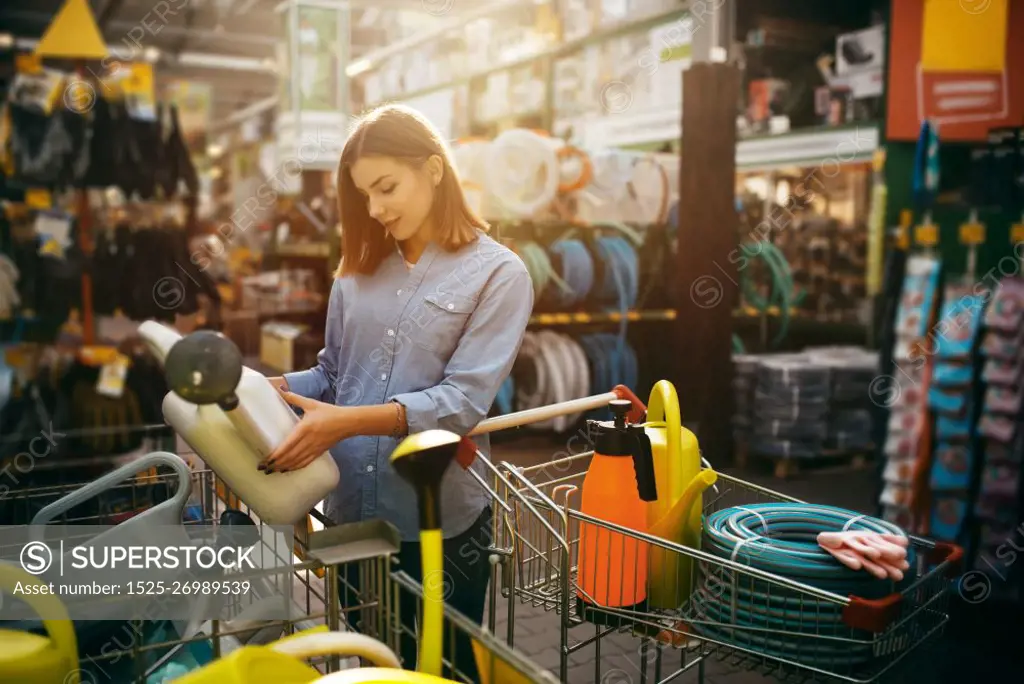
{"x": 804, "y": 405}
{"x": 908, "y": 398}
{"x": 1001, "y": 414}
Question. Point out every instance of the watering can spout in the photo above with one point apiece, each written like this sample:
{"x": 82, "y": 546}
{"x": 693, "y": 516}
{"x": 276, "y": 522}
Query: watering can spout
{"x": 673, "y": 522}
{"x": 671, "y": 581}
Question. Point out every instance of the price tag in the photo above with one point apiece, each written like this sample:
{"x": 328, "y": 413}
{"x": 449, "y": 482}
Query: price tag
{"x": 38, "y": 198}
{"x": 903, "y": 238}
{"x": 927, "y": 235}
{"x": 112, "y": 377}
{"x": 28, "y": 63}
{"x": 1017, "y": 232}
{"x": 972, "y": 234}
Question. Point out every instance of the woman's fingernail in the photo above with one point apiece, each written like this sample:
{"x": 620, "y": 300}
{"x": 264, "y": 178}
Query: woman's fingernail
{"x": 261, "y": 466}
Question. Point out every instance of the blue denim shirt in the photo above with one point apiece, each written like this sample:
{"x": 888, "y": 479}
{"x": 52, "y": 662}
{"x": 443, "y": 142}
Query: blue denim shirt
{"x": 439, "y": 338}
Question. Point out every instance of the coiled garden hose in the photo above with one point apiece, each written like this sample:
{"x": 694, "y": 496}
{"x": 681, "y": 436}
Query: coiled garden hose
{"x": 552, "y": 368}
{"x": 612, "y": 362}
{"x": 505, "y": 398}
{"x": 577, "y": 272}
{"x": 538, "y": 265}
{"x": 781, "y": 538}
{"x": 514, "y": 158}
{"x": 782, "y": 291}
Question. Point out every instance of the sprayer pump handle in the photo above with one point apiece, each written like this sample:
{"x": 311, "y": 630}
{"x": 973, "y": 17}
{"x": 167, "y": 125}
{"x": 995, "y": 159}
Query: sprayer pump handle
{"x": 620, "y": 407}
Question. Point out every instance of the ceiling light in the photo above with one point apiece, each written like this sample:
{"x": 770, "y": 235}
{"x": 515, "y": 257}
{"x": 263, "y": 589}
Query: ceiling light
{"x": 214, "y": 150}
{"x": 6, "y": 41}
{"x": 151, "y": 54}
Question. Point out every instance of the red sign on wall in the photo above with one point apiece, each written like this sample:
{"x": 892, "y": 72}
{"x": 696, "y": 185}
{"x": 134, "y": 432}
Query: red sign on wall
{"x": 958, "y": 64}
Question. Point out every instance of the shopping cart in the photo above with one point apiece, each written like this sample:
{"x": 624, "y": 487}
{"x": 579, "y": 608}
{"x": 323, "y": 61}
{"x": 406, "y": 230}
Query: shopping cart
{"x": 753, "y": 619}
{"x": 320, "y": 566}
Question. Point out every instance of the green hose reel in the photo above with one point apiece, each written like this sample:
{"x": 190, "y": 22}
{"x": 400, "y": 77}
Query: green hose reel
{"x": 782, "y": 292}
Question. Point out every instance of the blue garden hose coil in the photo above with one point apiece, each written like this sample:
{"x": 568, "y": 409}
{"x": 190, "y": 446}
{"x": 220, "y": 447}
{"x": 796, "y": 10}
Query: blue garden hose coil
{"x": 781, "y": 538}
{"x": 577, "y": 272}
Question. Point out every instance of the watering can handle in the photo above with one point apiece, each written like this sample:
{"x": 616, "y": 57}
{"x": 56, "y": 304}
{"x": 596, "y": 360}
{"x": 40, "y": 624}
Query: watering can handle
{"x": 58, "y": 624}
{"x": 108, "y": 481}
{"x": 663, "y": 405}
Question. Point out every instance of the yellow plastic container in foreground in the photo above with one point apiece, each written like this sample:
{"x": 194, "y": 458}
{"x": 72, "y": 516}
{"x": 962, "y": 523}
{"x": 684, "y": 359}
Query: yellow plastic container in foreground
{"x": 257, "y": 665}
{"x": 26, "y": 657}
{"x": 676, "y": 514}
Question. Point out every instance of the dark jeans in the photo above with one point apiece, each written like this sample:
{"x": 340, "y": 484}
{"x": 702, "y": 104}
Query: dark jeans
{"x": 467, "y": 573}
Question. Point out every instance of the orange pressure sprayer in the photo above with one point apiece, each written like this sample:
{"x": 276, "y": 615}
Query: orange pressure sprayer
{"x": 612, "y": 567}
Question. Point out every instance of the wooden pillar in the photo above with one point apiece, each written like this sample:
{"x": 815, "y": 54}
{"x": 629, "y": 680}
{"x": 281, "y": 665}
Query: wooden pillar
{"x": 708, "y": 255}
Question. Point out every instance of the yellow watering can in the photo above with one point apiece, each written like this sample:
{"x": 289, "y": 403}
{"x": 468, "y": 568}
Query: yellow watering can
{"x": 27, "y": 657}
{"x": 676, "y": 514}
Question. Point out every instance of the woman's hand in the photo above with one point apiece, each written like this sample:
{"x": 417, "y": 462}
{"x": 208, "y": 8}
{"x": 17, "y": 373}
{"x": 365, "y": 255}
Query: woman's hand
{"x": 279, "y": 383}
{"x": 321, "y": 427}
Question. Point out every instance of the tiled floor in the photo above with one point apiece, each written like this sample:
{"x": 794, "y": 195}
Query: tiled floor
{"x": 620, "y": 658}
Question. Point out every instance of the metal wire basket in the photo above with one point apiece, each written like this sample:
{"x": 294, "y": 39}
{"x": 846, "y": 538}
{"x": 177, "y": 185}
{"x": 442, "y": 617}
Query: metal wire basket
{"x": 760, "y": 620}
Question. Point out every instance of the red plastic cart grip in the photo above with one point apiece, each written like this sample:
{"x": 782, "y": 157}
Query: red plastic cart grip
{"x": 872, "y": 615}
{"x": 948, "y": 553}
{"x": 639, "y": 408}
{"x": 875, "y": 615}
{"x": 466, "y": 453}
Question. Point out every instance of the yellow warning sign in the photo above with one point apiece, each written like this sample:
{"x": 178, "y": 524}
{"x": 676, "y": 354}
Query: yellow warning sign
{"x": 73, "y": 34}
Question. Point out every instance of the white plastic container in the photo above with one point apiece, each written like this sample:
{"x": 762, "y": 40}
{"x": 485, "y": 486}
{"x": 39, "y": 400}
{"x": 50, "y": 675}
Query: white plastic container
{"x": 232, "y": 443}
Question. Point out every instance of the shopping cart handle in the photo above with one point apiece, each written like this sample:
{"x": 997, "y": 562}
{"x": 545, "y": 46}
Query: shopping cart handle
{"x": 636, "y": 414}
{"x": 466, "y": 453}
{"x": 467, "y": 448}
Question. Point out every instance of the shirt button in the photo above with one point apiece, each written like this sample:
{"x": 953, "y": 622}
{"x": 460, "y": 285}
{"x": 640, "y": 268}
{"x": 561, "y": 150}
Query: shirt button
{"x": 383, "y": 376}
{"x": 399, "y": 293}
{"x": 451, "y": 306}
{"x": 391, "y": 333}
{"x": 369, "y": 468}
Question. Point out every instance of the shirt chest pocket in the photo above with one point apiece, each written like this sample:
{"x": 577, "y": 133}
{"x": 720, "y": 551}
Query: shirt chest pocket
{"x": 439, "y": 321}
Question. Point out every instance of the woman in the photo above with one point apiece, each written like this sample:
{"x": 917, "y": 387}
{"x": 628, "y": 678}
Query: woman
{"x": 425, "y": 319}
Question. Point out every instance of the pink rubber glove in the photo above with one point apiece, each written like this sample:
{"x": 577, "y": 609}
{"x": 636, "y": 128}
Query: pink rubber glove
{"x": 883, "y": 555}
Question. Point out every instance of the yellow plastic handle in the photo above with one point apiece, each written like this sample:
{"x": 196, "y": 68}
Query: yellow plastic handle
{"x": 663, "y": 405}
{"x": 431, "y": 640}
{"x": 319, "y": 642}
{"x": 60, "y": 630}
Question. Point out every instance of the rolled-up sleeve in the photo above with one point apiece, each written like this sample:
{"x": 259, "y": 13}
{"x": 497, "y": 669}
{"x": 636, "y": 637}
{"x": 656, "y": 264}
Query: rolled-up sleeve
{"x": 318, "y": 381}
{"x": 482, "y": 360}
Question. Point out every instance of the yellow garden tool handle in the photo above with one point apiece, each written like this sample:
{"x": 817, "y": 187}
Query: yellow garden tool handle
{"x": 432, "y": 629}
{"x": 663, "y": 406}
{"x": 60, "y": 630}
{"x": 421, "y": 460}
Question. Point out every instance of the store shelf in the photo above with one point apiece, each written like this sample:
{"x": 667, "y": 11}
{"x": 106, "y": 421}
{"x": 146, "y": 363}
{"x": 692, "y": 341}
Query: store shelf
{"x": 610, "y": 317}
{"x": 830, "y": 146}
{"x": 604, "y": 34}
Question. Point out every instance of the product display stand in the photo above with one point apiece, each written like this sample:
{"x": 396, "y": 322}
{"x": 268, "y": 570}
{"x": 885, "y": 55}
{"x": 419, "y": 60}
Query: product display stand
{"x": 998, "y": 507}
{"x": 952, "y": 399}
